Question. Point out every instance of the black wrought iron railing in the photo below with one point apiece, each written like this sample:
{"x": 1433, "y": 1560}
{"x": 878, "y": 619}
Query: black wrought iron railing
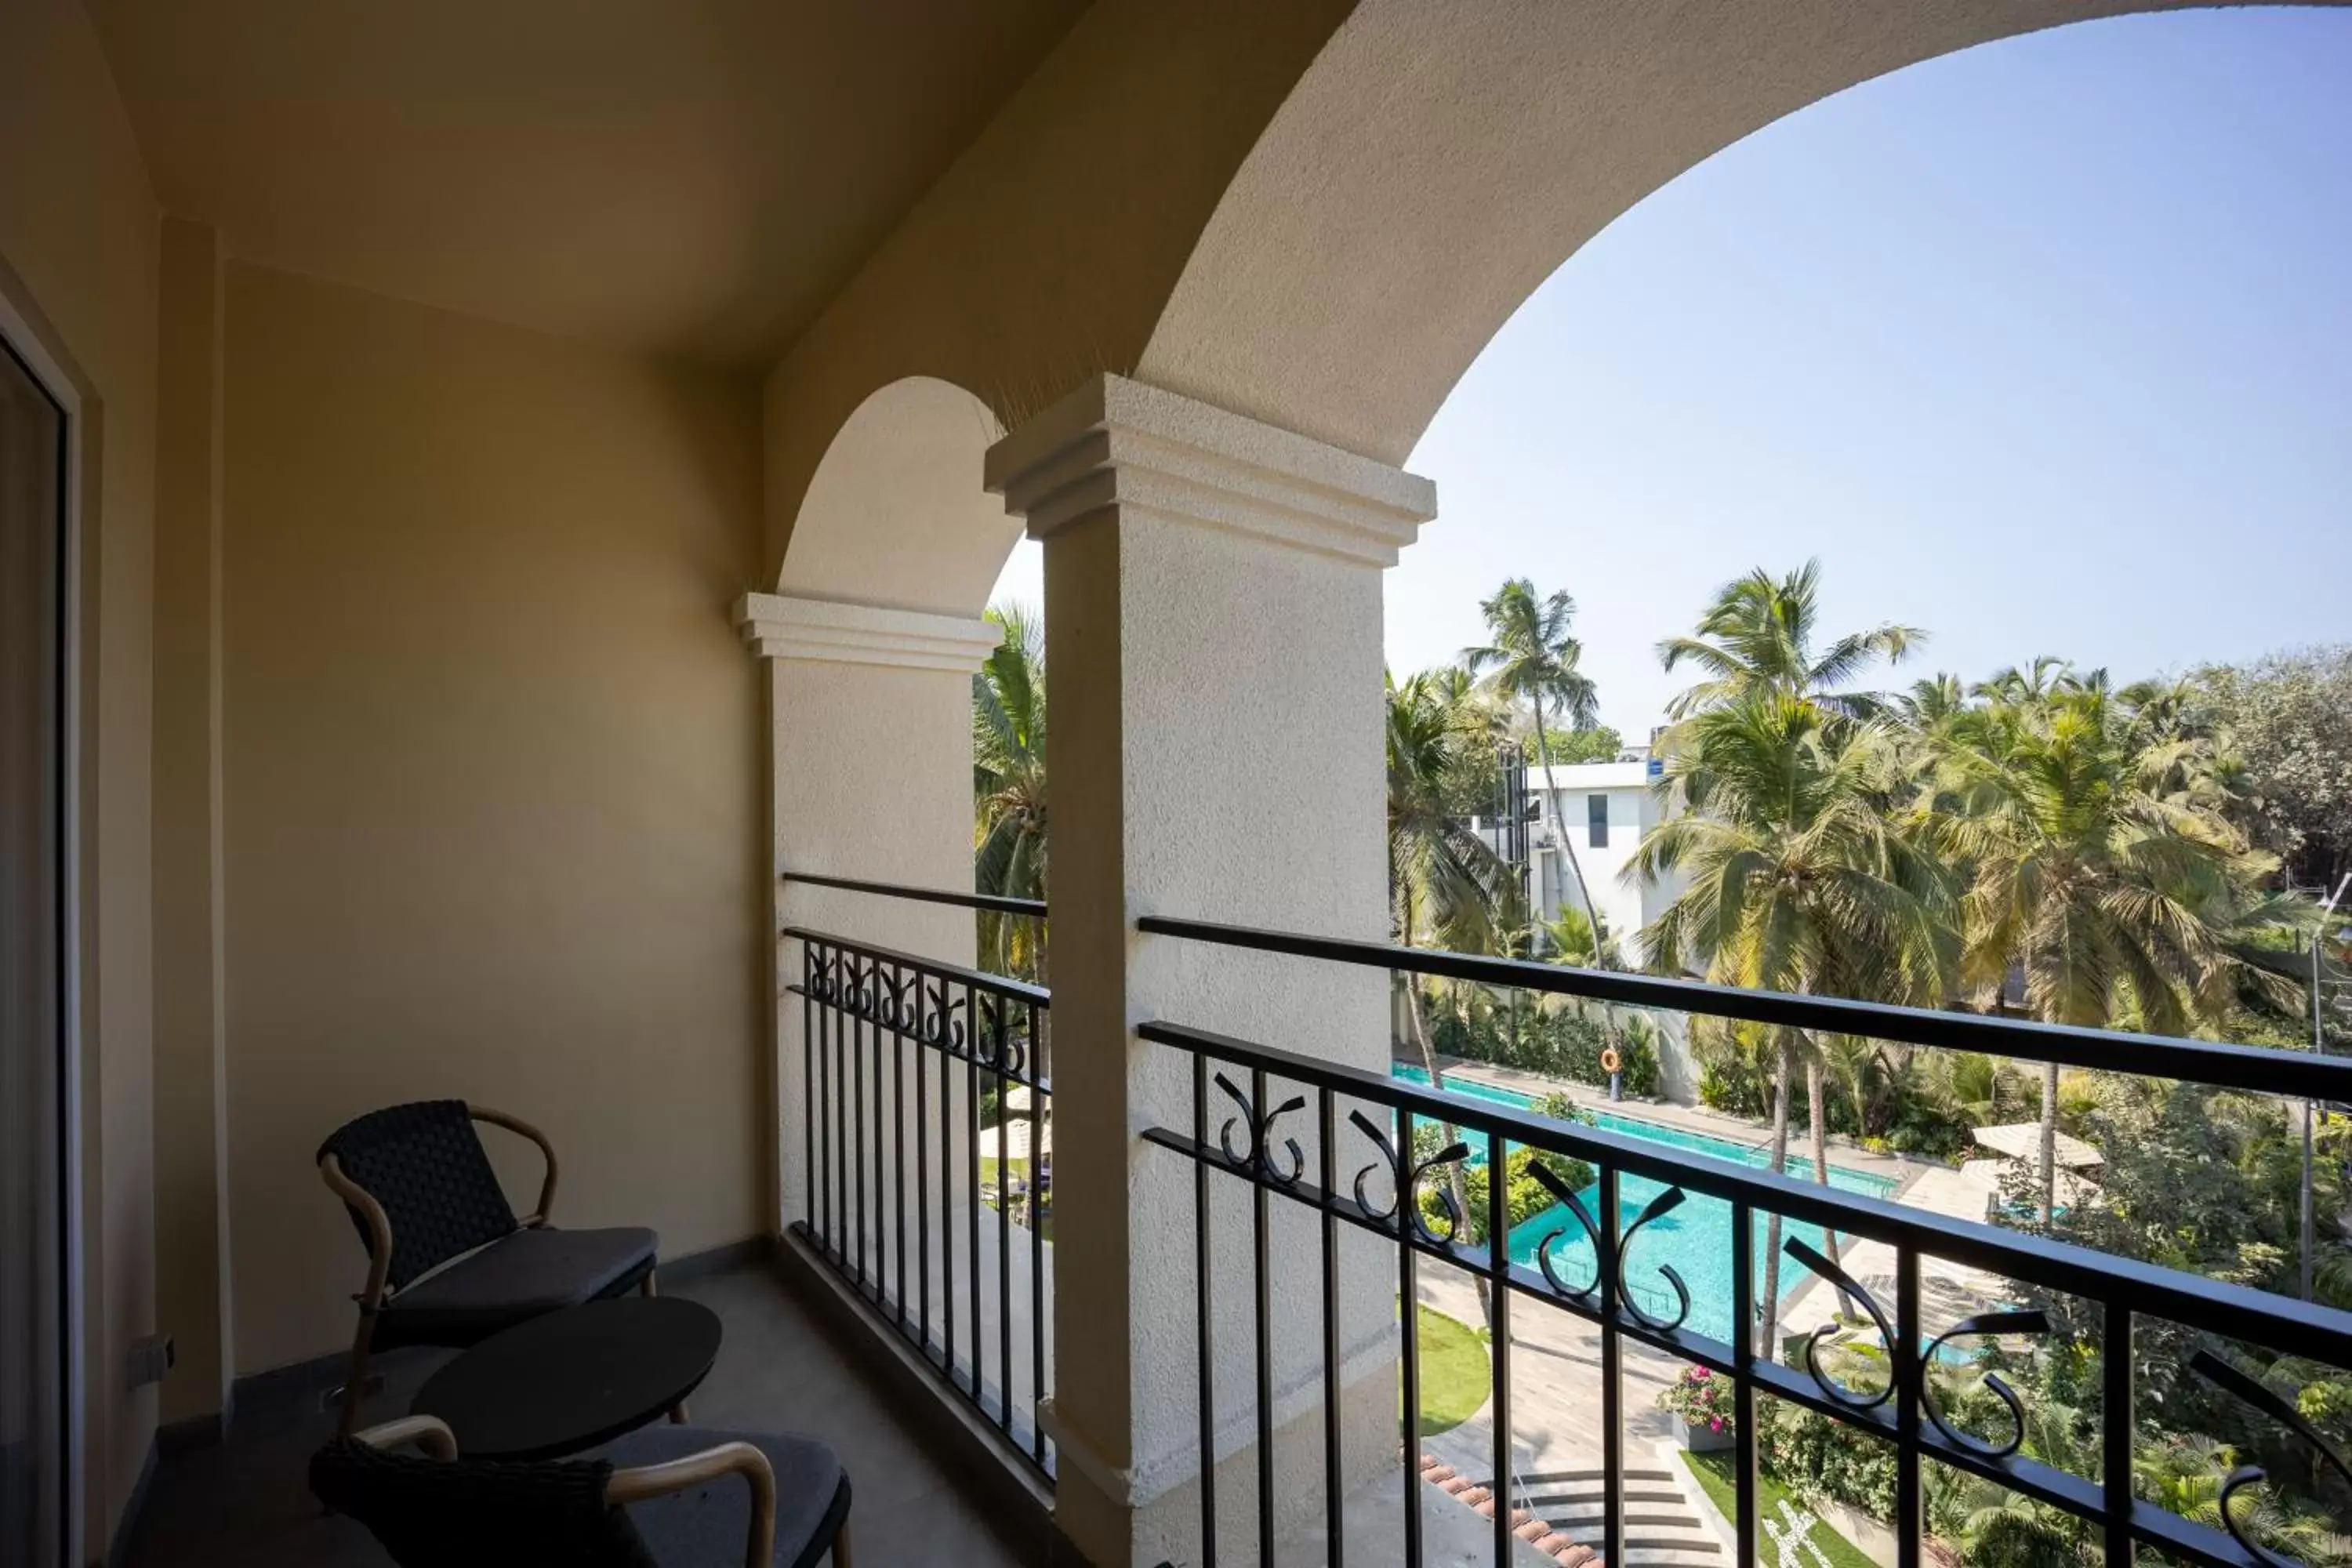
{"x": 1375, "y": 1170}
{"x": 925, "y": 1153}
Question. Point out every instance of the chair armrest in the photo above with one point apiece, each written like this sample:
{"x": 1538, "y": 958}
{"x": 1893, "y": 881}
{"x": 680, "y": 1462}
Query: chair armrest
{"x": 517, "y": 1124}
{"x": 379, "y": 1227}
{"x": 724, "y": 1459}
{"x": 427, "y": 1432}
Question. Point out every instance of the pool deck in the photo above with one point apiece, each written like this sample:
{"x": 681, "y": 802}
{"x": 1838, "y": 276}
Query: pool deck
{"x": 1555, "y": 1369}
{"x": 1896, "y": 1168}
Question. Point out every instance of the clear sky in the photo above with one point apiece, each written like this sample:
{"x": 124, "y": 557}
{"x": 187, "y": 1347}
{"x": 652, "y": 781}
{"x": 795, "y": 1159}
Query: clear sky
{"x": 2045, "y": 346}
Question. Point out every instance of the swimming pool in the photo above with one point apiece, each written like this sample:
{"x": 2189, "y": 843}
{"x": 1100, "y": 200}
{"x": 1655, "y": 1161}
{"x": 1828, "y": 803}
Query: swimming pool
{"x": 1695, "y": 1239}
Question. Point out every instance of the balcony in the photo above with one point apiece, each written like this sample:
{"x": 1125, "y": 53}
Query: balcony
{"x": 426, "y": 415}
{"x": 1297, "y": 1200}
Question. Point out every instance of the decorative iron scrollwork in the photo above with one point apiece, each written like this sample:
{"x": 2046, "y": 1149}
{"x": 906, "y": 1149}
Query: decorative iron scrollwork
{"x": 1261, "y": 1133}
{"x": 1407, "y": 1179}
{"x": 824, "y": 975}
{"x": 1852, "y": 1399}
{"x": 942, "y": 1021}
{"x": 892, "y": 1010}
{"x": 2028, "y": 1320}
{"x": 1664, "y": 1204}
{"x": 1583, "y": 1216}
{"x": 2231, "y": 1381}
{"x": 1000, "y": 1050}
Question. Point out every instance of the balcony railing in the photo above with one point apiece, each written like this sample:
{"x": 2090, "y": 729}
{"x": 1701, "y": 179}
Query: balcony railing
{"x": 925, "y": 1155}
{"x": 1252, "y": 1104}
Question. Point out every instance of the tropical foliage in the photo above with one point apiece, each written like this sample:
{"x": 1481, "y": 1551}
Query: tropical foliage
{"x": 1008, "y": 780}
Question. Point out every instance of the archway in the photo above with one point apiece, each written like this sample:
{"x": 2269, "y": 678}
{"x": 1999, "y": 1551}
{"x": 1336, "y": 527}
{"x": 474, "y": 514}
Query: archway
{"x": 895, "y": 516}
{"x": 1421, "y": 180}
{"x": 871, "y": 642}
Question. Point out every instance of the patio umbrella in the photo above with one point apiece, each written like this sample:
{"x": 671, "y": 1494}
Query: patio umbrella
{"x": 2022, "y": 1140}
{"x": 1013, "y": 1136}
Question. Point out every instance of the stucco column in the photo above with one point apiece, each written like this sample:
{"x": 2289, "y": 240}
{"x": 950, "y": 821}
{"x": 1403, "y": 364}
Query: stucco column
{"x": 870, "y": 718}
{"x": 1213, "y": 603}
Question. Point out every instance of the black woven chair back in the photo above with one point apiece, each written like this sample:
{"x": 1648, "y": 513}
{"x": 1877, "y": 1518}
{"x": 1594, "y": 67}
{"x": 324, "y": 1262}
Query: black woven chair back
{"x": 424, "y": 1164}
{"x": 463, "y": 1513}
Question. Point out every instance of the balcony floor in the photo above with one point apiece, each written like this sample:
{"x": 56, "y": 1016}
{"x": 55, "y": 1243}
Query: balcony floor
{"x": 245, "y": 1501}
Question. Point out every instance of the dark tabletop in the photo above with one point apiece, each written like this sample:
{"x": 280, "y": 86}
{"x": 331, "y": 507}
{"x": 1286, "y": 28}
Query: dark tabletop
{"x": 573, "y": 1379}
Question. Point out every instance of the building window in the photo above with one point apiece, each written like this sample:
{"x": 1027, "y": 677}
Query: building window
{"x": 1596, "y": 815}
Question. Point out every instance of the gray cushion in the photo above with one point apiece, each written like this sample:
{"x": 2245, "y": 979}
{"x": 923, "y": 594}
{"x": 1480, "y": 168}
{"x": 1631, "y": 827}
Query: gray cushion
{"x": 530, "y": 1272}
{"x": 707, "y": 1525}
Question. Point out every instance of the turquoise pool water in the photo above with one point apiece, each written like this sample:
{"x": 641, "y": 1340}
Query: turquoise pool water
{"x": 1695, "y": 1239}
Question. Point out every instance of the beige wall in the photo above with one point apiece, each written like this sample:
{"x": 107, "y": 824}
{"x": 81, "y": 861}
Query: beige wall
{"x": 78, "y": 252}
{"x": 492, "y": 765}
{"x": 192, "y": 1285}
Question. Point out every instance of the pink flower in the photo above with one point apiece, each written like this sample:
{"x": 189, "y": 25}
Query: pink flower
{"x": 1699, "y": 1374}
{"x": 1715, "y": 1424}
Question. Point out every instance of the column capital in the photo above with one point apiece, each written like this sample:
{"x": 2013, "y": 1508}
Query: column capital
{"x": 1116, "y": 443}
{"x": 775, "y": 625}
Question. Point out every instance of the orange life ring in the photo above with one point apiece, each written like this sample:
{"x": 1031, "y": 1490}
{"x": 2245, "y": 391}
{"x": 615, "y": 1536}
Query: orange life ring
{"x": 1610, "y": 1060}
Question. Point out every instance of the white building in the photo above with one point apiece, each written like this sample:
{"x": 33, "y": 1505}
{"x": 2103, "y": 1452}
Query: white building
{"x": 1596, "y": 813}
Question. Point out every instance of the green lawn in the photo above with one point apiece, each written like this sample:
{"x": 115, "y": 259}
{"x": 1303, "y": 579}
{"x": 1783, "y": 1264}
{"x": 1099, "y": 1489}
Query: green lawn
{"x": 1453, "y": 1375}
{"x": 1714, "y": 1472}
{"x": 988, "y": 1178}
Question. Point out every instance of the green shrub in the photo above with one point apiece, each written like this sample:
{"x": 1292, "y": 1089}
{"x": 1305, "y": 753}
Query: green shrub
{"x": 1525, "y": 1198}
{"x": 1479, "y": 1026}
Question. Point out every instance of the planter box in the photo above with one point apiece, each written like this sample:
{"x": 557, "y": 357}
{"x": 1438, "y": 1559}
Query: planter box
{"x": 1700, "y": 1440}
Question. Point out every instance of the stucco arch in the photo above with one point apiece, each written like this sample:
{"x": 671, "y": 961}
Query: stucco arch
{"x": 1435, "y": 164}
{"x": 895, "y": 515}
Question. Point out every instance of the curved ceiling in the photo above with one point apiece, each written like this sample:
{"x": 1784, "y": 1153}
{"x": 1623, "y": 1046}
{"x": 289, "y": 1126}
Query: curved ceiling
{"x": 685, "y": 178}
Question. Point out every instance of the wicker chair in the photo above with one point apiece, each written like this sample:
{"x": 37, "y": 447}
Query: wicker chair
{"x": 665, "y": 1497}
{"x": 448, "y": 1262}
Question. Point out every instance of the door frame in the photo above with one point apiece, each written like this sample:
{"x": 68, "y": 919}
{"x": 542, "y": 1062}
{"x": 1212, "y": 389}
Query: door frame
{"x": 28, "y": 338}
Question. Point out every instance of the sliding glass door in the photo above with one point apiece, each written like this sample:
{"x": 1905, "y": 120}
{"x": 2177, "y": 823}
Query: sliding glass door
{"x": 34, "y": 1144}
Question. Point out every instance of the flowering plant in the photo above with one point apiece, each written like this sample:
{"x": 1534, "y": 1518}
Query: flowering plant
{"x": 1703, "y": 1400}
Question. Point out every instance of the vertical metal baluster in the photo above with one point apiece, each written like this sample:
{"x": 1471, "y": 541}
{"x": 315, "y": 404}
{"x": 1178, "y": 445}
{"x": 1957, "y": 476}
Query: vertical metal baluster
{"x": 1036, "y": 1237}
{"x": 1498, "y": 1259}
{"x": 1005, "y": 1169}
{"x": 808, "y": 1089}
{"x": 1743, "y": 1373}
{"x": 1409, "y": 1366}
{"x": 1612, "y": 1411}
{"x": 947, "y": 1190}
{"x": 1335, "y": 1550}
{"x": 2115, "y": 1413}
{"x": 972, "y": 1155}
{"x": 838, "y": 1112}
{"x": 1202, "y": 1317}
{"x": 880, "y": 1291}
{"x": 857, "y": 1120}
{"x": 1262, "y": 1290}
{"x": 898, "y": 1133}
{"x": 1903, "y": 1365}
{"x": 825, "y": 1225}
{"x": 922, "y": 1172}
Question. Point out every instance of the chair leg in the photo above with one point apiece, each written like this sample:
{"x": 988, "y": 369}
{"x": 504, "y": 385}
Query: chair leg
{"x": 647, "y": 1287}
{"x": 355, "y": 1375}
{"x": 841, "y": 1558}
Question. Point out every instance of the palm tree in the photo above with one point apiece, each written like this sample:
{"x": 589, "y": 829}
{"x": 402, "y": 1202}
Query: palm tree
{"x": 1530, "y": 657}
{"x": 2111, "y": 894}
{"x": 1799, "y": 878}
{"x": 1444, "y": 879}
{"x": 1758, "y": 636}
{"x": 1008, "y": 779}
{"x": 1754, "y": 642}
